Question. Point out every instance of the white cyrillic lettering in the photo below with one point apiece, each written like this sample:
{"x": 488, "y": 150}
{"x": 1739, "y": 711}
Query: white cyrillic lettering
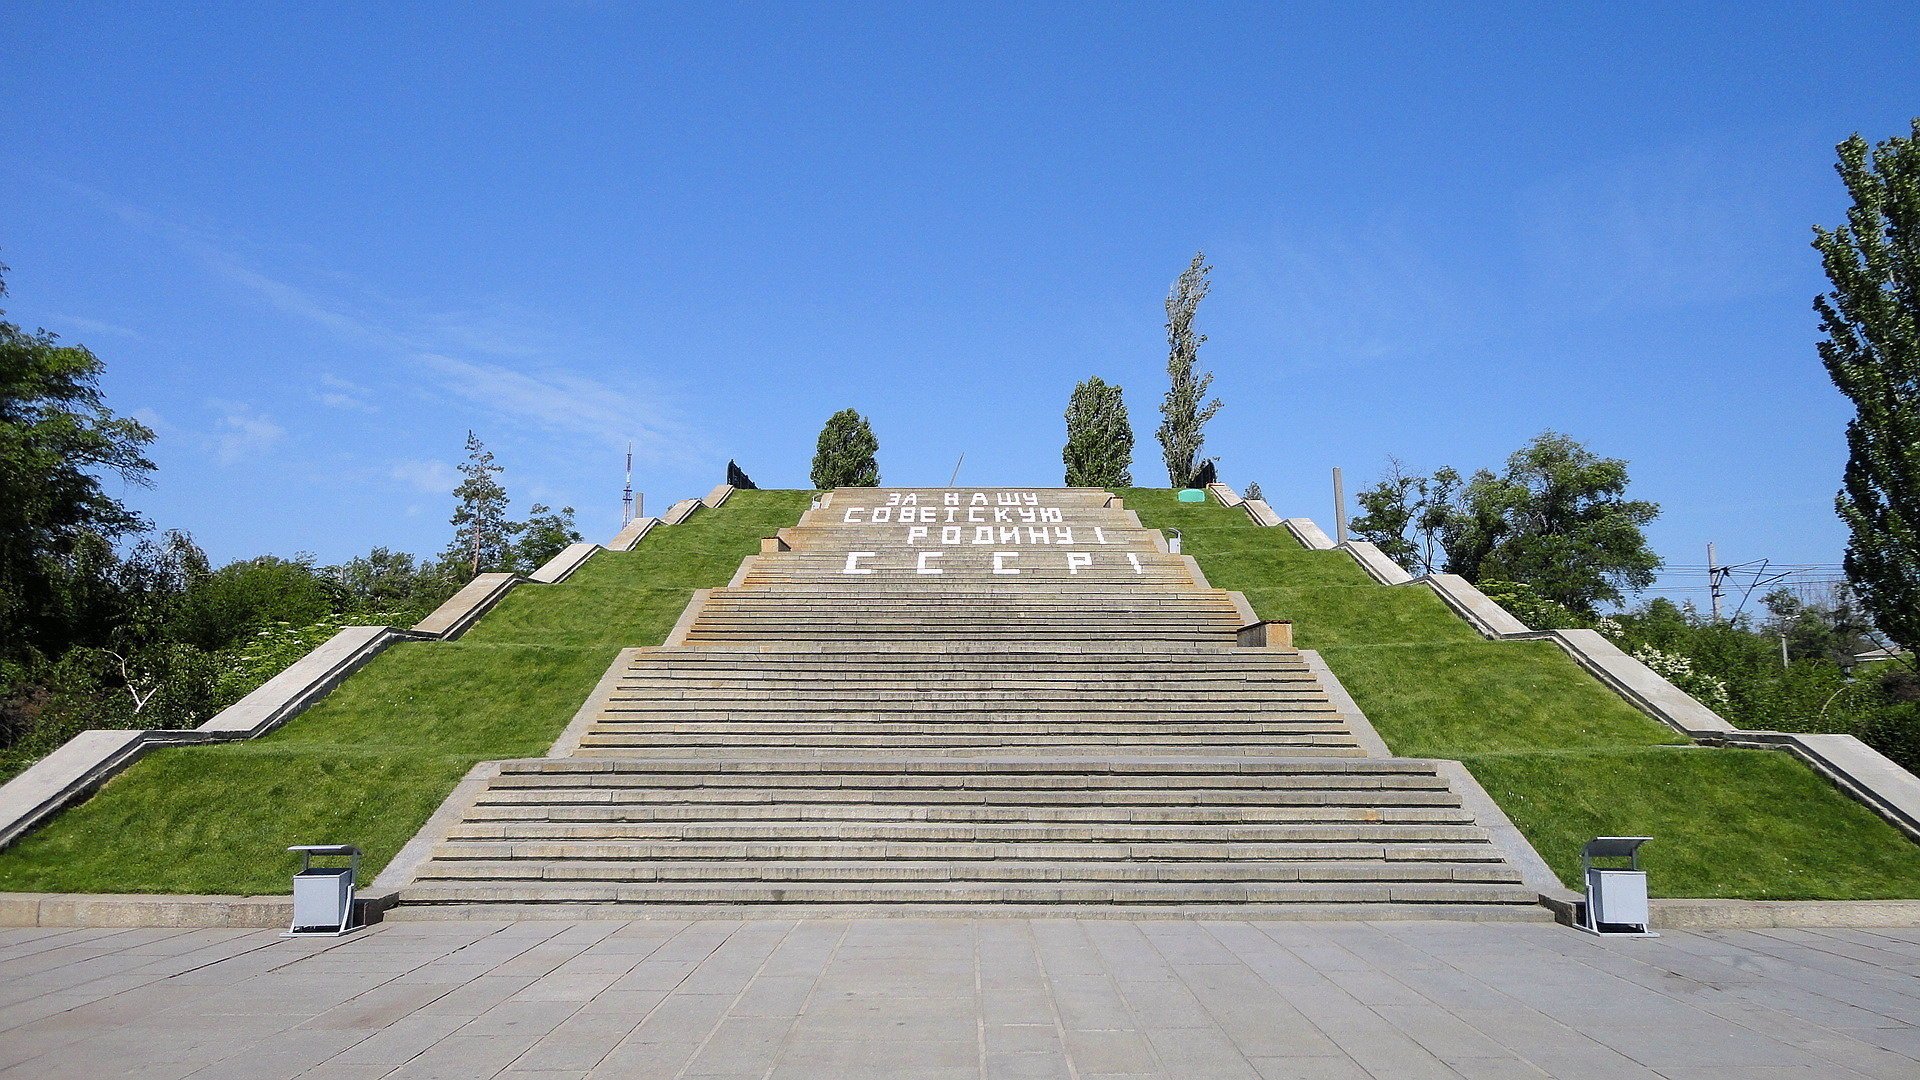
{"x": 922, "y": 568}
{"x": 1135, "y": 560}
{"x": 999, "y": 562}
{"x": 853, "y": 562}
{"x": 852, "y": 510}
{"x": 915, "y": 535}
{"x": 950, "y": 534}
{"x": 1078, "y": 559}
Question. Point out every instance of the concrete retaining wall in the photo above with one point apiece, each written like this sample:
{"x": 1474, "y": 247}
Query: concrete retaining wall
{"x": 91, "y": 758}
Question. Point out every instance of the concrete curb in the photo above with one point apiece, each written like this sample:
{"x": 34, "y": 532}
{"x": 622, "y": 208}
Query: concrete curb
{"x": 91, "y": 758}
{"x": 129, "y": 910}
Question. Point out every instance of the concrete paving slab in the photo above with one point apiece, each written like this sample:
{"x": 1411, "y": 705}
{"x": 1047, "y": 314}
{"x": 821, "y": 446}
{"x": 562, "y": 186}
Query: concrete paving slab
{"x": 975, "y": 998}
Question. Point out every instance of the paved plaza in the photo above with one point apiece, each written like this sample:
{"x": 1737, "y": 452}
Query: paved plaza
{"x": 960, "y": 998}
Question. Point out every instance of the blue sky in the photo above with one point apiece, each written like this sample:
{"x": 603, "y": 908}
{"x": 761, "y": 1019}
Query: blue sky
{"x": 316, "y": 245}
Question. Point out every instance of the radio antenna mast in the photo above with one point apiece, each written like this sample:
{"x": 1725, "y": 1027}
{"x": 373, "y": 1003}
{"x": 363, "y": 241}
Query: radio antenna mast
{"x": 626, "y": 497}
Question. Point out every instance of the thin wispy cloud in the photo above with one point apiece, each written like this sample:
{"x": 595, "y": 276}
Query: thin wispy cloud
{"x": 499, "y": 359}
{"x": 341, "y": 394}
{"x": 69, "y": 325}
{"x": 243, "y": 432}
{"x": 558, "y": 400}
{"x": 1656, "y": 231}
{"x": 430, "y": 477}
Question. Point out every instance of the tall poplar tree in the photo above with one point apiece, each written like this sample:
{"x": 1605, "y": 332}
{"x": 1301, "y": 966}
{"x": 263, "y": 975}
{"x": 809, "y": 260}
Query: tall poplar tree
{"x": 1183, "y": 413}
{"x": 1872, "y": 350}
{"x": 482, "y": 534}
{"x": 1099, "y": 450}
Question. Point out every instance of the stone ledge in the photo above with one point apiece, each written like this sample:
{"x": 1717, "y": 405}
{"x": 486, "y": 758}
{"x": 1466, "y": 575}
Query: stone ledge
{"x": 1309, "y": 534}
{"x": 145, "y": 909}
{"x": 1376, "y": 564}
{"x": 1710, "y": 914}
{"x": 561, "y": 566}
{"x": 465, "y": 607}
{"x": 1476, "y": 607}
{"x": 1853, "y": 766}
{"x": 89, "y": 759}
{"x": 1646, "y": 689}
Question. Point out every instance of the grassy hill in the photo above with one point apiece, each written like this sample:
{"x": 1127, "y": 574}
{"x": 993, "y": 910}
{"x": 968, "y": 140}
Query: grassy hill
{"x": 371, "y": 762}
{"x": 1565, "y": 757}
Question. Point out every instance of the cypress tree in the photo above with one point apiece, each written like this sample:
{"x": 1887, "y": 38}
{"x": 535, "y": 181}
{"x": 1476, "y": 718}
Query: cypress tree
{"x": 1099, "y": 450}
{"x": 1872, "y": 350}
{"x": 1182, "y": 412}
{"x": 845, "y": 454}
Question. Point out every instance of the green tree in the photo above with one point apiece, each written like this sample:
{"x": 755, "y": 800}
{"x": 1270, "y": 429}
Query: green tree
{"x": 58, "y": 440}
{"x": 546, "y": 533}
{"x": 1406, "y": 514}
{"x": 1872, "y": 351}
{"x": 845, "y": 454}
{"x": 1099, "y": 450}
{"x": 1183, "y": 414}
{"x": 1253, "y": 491}
{"x": 1557, "y": 519}
{"x": 482, "y": 532}
{"x": 1387, "y": 509}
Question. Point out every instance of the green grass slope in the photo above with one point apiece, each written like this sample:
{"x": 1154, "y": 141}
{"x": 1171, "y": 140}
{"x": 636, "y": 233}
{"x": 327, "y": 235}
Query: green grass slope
{"x": 371, "y": 761}
{"x": 1565, "y": 757}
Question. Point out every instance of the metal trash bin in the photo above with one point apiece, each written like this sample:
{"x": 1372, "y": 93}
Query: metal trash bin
{"x": 1616, "y": 895}
{"x": 323, "y": 895}
{"x": 1173, "y": 541}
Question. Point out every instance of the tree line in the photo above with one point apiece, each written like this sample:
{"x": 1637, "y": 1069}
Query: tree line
{"x": 107, "y": 622}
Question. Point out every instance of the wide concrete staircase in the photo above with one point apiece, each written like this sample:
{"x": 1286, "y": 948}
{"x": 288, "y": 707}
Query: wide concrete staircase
{"x": 990, "y": 700}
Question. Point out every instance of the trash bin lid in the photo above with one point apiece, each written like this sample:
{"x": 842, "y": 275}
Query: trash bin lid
{"x": 325, "y": 849}
{"x": 1613, "y": 847}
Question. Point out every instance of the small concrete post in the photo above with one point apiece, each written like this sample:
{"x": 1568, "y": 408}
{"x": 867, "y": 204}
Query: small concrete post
{"x": 1339, "y": 509}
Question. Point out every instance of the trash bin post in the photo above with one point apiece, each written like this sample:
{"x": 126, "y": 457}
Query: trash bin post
{"x": 323, "y": 895}
{"x": 1617, "y": 902}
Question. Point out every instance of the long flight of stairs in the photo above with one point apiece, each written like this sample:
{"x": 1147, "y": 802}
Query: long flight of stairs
{"x": 995, "y": 699}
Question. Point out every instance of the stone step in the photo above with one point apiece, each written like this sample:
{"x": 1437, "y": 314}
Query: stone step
{"x": 573, "y": 812}
{"x": 911, "y": 832}
{"x": 612, "y": 739}
{"x": 1082, "y": 725}
{"x": 826, "y": 870}
{"x": 684, "y": 791}
{"x": 762, "y": 850}
{"x": 972, "y": 893}
{"x": 642, "y": 751}
{"x": 1067, "y": 770}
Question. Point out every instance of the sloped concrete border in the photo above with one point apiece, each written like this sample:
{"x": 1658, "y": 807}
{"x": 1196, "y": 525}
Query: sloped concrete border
{"x": 91, "y": 758}
{"x": 1862, "y": 772}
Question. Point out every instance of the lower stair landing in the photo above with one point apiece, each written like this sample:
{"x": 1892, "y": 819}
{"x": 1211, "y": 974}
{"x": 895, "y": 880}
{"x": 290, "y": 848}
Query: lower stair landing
{"x": 1290, "y": 838}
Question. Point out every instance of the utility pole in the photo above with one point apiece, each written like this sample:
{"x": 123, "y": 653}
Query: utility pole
{"x": 956, "y": 470}
{"x": 1783, "y": 651}
{"x": 626, "y": 497}
{"x": 1339, "y": 508}
{"x": 1714, "y": 577}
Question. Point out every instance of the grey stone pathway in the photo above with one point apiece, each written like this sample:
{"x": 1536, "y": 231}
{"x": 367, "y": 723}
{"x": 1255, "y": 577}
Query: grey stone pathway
{"x": 960, "y": 998}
